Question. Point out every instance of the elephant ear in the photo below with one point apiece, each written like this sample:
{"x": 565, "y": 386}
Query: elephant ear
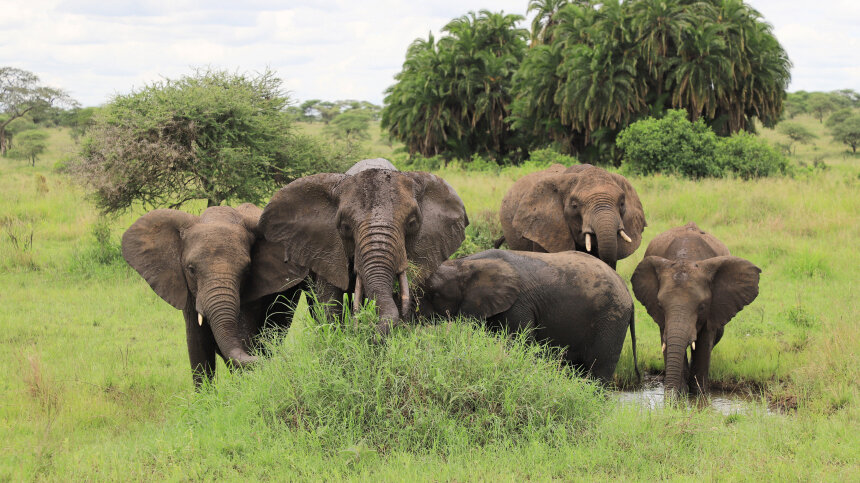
{"x": 734, "y": 285}
{"x": 269, "y": 272}
{"x": 646, "y": 285}
{"x": 489, "y": 287}
{"x": 301, "y": 217}
{"x": 633, "y": 219}
{"x": 540, "y": 214}
{"x": 443, "y": 223}
{"x": 152, "y": 245}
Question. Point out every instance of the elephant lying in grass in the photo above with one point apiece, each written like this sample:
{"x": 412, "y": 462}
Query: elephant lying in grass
{"x": 218, "y": 270}
{"x": 569, "y": 299}
{"x": 692, "y": 287}
{"x": 582, "y": 208}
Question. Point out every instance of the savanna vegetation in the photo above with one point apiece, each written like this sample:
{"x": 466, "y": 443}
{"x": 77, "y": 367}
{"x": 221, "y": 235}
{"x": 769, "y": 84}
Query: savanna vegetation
{"x": 97, "y": 382}
{"x": 585, "y": 71}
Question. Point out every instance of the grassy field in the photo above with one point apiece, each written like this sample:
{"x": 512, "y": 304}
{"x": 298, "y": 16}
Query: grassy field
{"x": 97, "y": 384}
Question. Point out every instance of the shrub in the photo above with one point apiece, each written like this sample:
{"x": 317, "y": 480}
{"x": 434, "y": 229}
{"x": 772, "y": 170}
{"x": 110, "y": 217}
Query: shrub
{"x": 670, "y": 145}
{"x": 749, "y": 156}
{"x": 547, "y": 157}
{"x": 439, "y": 389}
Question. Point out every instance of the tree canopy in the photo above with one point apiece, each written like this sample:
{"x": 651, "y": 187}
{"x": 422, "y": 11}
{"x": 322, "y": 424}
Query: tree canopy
{"x": 213, "y": 135}
{"x": 847, "y": 131}
{"x": 22, "y": 93}
{"x": 596, "y": 67}
{"x": 453, "y": 95}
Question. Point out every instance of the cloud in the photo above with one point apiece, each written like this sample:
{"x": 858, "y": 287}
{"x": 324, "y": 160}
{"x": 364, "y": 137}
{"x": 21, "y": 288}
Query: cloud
{"x": 332, "y": 49}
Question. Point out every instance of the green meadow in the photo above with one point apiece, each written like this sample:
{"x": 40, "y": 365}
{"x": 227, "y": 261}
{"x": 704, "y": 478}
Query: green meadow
{"x": 96, "y": 383}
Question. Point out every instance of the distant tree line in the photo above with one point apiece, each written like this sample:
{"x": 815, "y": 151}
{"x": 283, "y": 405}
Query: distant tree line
{"x": 585, "y": 71}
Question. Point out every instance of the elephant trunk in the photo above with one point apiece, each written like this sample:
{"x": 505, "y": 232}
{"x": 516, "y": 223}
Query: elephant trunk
{"x": 220, "y": 305}
{"x": 606, "y": 226}
{"x": 377, "y": 258}
{"x": 675, "y": 356}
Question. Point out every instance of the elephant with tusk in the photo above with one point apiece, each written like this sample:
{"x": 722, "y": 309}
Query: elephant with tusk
{"x": 692, "y": 287}
{"x": 219, "y": 271}
{"x": 582, "y": 208}
{"x": 357, "y": 232}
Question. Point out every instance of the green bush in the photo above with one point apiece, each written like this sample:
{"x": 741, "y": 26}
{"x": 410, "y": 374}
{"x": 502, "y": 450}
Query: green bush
{"x": 749, "y": 156}
{"x": 547, "y": 157}
{"x": 670, "y": 145}
{"x": 674, "y": 145}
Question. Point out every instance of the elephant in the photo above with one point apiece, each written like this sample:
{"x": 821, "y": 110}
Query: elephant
{"x": 570, "y": 299}
{"x": 218, "y": 270}
{"x": 581, "y": 208}
{"x": 358, "y": 232}
{"x": 692, "y": 287}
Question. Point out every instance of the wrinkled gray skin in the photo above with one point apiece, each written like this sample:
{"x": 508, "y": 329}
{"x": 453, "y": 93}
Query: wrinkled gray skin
{"x": 357, "y": 232}
{"x": 214, "y": 265}
{"x": 692, "y": 286}
{"x": 572, "y": 300}
{"x": 554, "y": 210}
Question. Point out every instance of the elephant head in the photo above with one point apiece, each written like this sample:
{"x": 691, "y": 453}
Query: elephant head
{"x": 478, "y": 288}
{"x": 362, "y": 230}
{"x": 584, "y": 208}
{"x": 692, "y": 301}
{"x": 206, "y": 264}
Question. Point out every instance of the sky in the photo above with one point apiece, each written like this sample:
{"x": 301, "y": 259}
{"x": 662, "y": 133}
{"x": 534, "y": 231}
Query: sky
{"x": 95, "y": 49}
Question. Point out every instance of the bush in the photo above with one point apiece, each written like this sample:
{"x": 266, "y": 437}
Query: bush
{"x": 547, "y": 157}
{"x": 749, "y": 156}
{"x": 670, "y": 145}
{"x": 439, "y": 389}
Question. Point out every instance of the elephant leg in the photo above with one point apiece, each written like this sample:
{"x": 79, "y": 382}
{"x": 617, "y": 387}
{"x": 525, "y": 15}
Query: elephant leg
{"x": 332, "y": 299}
{"x": 701, "y": 362}
{"x": 201, "y": 347}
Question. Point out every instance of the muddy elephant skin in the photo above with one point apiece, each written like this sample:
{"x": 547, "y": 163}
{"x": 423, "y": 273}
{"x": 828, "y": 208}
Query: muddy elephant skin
{"x": 570, "y": 299}
{"x": 581, "y": 208}
{"x": 216, "y": 269}
{"x": 359, "y": 232}
{"x": 692, "y": 287}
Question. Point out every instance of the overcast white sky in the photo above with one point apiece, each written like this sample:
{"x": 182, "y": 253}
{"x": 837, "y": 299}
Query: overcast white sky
{"x": 322, "y": 49}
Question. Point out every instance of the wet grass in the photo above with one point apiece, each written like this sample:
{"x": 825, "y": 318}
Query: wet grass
{"x": 96, "y": 381}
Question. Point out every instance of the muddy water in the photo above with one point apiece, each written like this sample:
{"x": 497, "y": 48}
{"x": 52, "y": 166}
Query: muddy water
{"x": 651, "y": 396}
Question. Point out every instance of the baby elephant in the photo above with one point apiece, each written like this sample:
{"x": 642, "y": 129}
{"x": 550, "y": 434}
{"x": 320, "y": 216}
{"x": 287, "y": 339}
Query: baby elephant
{"x": 692, "y": 287}
{"x": 571, "y": 299}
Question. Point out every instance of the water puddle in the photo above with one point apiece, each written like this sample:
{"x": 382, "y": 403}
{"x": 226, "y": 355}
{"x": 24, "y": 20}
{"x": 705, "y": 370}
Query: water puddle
{"x": 651, "y": 396}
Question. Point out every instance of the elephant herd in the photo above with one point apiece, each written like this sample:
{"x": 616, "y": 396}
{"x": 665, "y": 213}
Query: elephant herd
{"x": 385, "y": 235}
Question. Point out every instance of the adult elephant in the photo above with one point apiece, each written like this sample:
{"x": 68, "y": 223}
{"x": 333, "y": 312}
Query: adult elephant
{"x": 570, "y": 299}
{"x": 582, "y": 208}
{"x": 218, "y": 271}
{"x": 359, "y": 231}
{"x": 692, "y": 287}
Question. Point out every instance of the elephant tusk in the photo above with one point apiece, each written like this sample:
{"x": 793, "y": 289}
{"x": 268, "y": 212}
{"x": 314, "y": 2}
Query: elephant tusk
{"x": 587, "y": 242}
{"x": 199, "y": 319}
{"x": 404, "y": 294}
{"x": 664, "y": 347}
{"x": 624, "y": 236}
{"x": 694, "y": 345}
{"x": 357, "y": 295}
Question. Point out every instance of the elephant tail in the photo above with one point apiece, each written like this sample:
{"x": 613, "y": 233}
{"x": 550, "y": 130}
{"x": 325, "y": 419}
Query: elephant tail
{"x": 498, "y": 242}
{"x": 633, "y": 343}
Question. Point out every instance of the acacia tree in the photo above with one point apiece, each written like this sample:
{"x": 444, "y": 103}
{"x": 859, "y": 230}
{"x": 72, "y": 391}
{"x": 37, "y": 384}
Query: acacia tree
{"x": 452, "y": 97}
{"x": 597, "y": 66}
{"x": 213, "y": 135}
{"x": 847, "y": 131}
{"x": 29, "y": 145}
{"x": 22, "y": 93}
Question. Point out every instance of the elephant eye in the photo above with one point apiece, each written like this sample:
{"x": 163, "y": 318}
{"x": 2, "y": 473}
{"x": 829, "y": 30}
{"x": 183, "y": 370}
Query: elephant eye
{"x": 191, "y": 269}
{"x": 412, "y": 224}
